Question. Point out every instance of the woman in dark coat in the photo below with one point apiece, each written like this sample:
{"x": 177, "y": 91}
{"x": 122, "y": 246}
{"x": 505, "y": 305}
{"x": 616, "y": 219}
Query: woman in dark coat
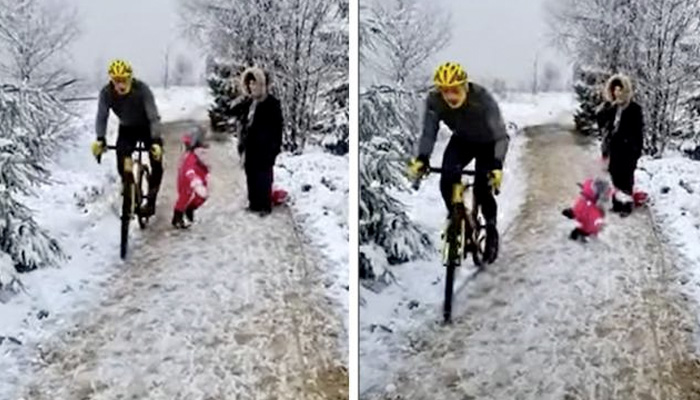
{"x": 622, "y": 123}
{"x": 261, "y": 137}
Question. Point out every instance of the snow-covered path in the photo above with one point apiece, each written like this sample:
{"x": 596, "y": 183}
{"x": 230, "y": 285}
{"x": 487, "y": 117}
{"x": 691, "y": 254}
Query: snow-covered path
{"x": 555, "y": 319}
{"x": 232, "y": 308}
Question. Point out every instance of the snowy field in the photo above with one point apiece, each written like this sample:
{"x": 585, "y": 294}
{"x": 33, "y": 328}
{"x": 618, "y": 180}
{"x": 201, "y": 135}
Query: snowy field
{"x": 318, "y": 187}
{"x": 81, "y": 211}
{"x": 410, "y": 301}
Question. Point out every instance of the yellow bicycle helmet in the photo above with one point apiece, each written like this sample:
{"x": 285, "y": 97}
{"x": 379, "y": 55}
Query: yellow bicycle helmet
{"x": 119, "y": 69}
{"x": 449, "y": 74}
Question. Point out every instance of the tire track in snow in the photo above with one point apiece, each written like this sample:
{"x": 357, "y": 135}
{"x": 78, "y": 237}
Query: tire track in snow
{"x": 555, "y": 319}
{"x": 232, "y": 308}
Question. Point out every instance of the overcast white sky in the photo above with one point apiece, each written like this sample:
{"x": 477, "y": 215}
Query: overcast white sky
{"x": 499, "y": 38}
{"x": 492, "y": 38}
{"x": 137, "y": 30}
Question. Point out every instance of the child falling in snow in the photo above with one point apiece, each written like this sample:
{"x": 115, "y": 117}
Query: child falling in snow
{"x": 589, "y": 209}
{"x": 192, "y": 179}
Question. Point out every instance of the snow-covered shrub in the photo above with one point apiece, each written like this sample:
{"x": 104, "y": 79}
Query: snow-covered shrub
{"x": 9, "y": 280}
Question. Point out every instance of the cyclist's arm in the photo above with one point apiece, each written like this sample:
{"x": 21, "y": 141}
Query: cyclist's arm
{"x": 498, "y": 129}
{"x": 102, "y": 114}
{"x": 151, "y": 112}
{"x": 431, "y": 125}
{"x": 500, "y": 151}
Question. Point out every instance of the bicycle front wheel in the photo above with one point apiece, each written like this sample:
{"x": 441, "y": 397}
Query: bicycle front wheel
{"x": 453, "y": 250}
{"x": 128, "y": 198}
{"x": 449, "y": 289}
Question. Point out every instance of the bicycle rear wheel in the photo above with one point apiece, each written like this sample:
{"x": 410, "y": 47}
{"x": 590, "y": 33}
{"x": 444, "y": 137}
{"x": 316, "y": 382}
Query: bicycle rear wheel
{"x": 477, "y": 235}
{"x": 141, "y": 188}
{"x": 478, "y": 242}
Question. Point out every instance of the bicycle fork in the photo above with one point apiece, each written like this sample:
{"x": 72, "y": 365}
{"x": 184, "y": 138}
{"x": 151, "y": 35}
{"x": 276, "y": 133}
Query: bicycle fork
{"x": 128, "y": 184}
{"x": 455, "y": 236}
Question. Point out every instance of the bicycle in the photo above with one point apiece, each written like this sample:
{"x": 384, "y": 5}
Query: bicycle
{"x": 135, "y": 170}
{"x": 465, "y": 234}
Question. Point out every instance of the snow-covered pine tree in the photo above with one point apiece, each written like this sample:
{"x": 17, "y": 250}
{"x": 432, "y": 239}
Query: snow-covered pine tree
{"x": 332, "y": 130}
{"x": 32, "y": 125}
{"x": 387, "y": 131}
{"x": 34, "y": 122}
{"x": 587, "y": 87}
{"x": 224, "y": 91}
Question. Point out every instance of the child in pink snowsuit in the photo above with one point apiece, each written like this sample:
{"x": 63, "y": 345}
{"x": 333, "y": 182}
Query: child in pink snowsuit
{"x": 589, "y": 210}
{"x": 192, "y": 180}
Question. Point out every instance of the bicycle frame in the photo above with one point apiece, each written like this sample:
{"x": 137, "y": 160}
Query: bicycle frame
{"x": 133, "y": 174}
{"x": 460, "y": 237}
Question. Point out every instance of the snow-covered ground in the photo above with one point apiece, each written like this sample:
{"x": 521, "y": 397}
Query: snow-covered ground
{"x": 415, "y": 296}
{"x": 80, "y": 210}
{"x": 673, "y": 185}
{"x": 318, "y": 186}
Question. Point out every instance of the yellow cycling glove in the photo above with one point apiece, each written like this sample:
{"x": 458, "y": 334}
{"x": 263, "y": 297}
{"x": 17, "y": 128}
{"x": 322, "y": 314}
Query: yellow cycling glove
{"x": 98, "y": 147}
{"x": 495, "y": 179}
{"x": 416, "y": 169}
{"x": 156, "y": 151}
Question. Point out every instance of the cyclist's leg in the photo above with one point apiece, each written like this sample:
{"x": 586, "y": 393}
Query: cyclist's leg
{"x": 457, "y": 155}
{"x": 485, "y": 162}
{"x": 126, "y": 143}
{"x": 156, "y": 177}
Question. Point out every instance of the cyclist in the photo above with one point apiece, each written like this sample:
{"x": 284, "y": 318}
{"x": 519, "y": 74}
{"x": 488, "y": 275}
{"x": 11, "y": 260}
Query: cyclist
{"x": 133, "y": 102}
{"x": 478, "y": 131}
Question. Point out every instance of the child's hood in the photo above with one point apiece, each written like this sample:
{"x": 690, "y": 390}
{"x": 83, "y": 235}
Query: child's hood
{"x": 594, "y": 189}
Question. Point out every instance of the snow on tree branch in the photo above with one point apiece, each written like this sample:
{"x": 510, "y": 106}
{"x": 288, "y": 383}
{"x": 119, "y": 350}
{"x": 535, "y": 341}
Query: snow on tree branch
{"x": 34, "y": 35}
{"x": 396, "y": 43}
{"x": 302, "y": 43}
{"x": 655, "y": 42}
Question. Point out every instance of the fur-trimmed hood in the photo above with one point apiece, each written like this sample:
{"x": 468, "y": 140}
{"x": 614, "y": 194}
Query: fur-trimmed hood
{"x": 260, "y": 76}
{"x": 627, "y": 91}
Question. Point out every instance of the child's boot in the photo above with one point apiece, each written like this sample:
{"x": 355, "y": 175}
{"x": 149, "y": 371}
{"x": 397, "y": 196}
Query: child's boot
{"x": 578, "y": 234}
{"x": 178, "y": 221}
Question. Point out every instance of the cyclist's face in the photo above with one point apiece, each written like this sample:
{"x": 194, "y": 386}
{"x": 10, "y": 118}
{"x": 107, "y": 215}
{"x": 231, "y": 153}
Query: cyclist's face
{"x": 454, "y": 96}
{"x": 121, "y": 85}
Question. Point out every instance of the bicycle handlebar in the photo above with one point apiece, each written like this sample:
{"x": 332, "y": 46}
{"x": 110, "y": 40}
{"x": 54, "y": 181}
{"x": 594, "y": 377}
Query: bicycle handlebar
{"x": 468, "y": 172}
{"x": 139, "y": 147}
